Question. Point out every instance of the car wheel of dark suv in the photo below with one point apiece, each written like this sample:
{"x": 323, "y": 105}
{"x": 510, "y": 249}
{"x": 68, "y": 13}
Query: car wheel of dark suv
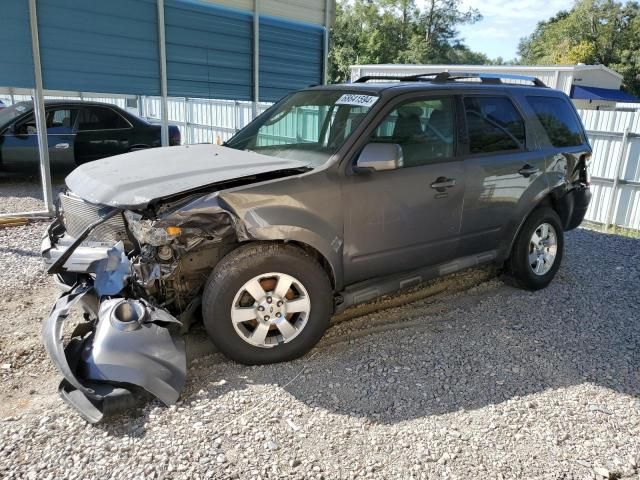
{"x": 266, "y": 303}
{"x": 537, "y": 251}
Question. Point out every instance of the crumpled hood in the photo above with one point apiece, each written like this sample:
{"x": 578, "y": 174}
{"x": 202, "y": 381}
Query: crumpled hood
{"x": 135, "y": 179}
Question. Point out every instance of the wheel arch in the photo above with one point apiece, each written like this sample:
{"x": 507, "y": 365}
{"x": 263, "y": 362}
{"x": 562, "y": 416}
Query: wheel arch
{"x": 555, "y": 199}
{"x": 322, "y": 258}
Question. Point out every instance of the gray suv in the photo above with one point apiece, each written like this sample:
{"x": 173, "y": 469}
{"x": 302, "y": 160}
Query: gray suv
{"x": 334, "y": 196}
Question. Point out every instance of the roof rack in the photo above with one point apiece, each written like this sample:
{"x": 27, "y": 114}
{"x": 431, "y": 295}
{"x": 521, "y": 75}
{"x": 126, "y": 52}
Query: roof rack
{"x": 442, "y": 77}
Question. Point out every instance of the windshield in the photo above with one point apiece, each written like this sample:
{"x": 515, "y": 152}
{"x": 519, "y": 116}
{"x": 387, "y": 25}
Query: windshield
{"x": 14, "y": 111}
{"x": 309, "y": 126}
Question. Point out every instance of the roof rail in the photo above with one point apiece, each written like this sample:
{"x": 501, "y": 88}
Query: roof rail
{"x": 409, "y": 78}
{"x": 493, "y": 78}
{"x": 487, "y": 77}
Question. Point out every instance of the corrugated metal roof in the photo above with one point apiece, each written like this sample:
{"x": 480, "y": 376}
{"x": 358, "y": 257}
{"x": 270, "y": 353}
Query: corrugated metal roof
{"x": 108, "y": 47}
{"x": 310, "y": 11}
{"x": 112, "y": 48}
{"x": 16, "y": 60}
{"x": 209, "y": 50}
{"x": 290, "y": 57}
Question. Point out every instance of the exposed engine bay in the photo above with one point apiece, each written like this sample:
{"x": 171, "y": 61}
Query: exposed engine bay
{"x": 138, "y": 295}
{"x": 137, "y": 272}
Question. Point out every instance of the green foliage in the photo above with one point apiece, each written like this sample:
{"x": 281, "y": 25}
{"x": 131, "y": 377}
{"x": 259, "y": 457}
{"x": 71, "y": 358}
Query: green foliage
{"x": 397, "y": 31}
{"x": 603, "y": 32}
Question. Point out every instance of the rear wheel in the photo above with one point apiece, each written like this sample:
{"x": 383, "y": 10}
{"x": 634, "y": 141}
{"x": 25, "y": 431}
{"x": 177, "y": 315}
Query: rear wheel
{"x": 266, "y": 303}
{"x": 537, "y": 251}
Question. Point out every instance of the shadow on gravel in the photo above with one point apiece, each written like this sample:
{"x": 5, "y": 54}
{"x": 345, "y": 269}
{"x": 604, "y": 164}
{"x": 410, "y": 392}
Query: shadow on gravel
{"x": 19, "y": 251}
{"x": 31, "y": 174}
{"x": 483, "y": 347}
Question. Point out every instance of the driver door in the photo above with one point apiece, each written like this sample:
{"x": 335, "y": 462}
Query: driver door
{"x": 403, "y": 219}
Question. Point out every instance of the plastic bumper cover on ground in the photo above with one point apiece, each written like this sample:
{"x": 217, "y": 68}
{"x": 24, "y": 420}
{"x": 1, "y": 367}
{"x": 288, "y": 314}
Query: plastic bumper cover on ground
{"x": 125, "y": 349}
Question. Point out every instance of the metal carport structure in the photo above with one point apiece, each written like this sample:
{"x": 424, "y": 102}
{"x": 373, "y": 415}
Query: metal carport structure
{"x": 251, "y": 50}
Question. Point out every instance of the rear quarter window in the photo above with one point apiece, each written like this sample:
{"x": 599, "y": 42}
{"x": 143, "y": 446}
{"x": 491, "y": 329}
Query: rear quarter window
{"x": 559, "y": 121}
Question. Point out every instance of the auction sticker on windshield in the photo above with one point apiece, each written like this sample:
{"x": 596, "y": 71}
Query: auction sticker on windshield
{"x": 357, "y": 99}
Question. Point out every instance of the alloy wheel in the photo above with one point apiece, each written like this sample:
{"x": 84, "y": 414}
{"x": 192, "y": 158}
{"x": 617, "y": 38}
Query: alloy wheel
{"x": 270, "y": 309}
{"x": 543, "y": 248}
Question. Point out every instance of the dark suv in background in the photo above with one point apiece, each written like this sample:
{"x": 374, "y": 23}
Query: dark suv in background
{"x": 334, "y": 196}
{"x": 78, "y": 132}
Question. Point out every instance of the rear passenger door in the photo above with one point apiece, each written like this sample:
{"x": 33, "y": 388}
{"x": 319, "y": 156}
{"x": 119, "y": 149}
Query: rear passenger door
{"x": 501, "y": 164}
{"x": 102, "y": 132}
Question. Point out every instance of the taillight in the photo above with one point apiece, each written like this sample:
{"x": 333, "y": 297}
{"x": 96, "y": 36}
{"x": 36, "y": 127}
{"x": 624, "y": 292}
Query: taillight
{"x": 585, "y": 174}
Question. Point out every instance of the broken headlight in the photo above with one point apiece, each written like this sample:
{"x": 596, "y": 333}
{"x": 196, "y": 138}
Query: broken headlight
{"x": 146, "y": 231}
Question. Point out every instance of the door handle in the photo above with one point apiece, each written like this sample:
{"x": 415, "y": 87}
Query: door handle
{"x": 528, "y": 170}
{"x": 442, "y": 182}
{"x": 62, "y": 146}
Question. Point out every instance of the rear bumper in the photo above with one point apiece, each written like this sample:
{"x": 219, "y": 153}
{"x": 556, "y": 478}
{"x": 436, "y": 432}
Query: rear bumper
{"x": 578, "y": 201}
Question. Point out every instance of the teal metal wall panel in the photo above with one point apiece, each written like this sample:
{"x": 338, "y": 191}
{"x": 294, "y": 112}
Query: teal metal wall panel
{"x": 209, "y": 50}
{"x": 290, "y": 56}
{"x": 16, "y": 59}
{"x": 109, "y": 47}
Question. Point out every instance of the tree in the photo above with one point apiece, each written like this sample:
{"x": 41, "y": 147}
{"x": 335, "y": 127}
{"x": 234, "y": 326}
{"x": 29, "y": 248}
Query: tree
{"x": 397, "y": 31}
{"x": 603, "y": 32}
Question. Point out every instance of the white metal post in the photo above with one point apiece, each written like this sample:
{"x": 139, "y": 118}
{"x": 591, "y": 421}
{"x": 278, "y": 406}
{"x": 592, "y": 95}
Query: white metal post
{"x": 256, "y": 56}
{"x": 325, "y": 42}
{"x": 164, "y": 114}
{"x": 185, "y": 114}
{"x": 619, "y": 172}
{"x": 38, "y": 108}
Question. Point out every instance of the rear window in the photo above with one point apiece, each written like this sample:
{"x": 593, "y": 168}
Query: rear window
{"x": 559, "y": 121}
{"x": 493, "y": 124}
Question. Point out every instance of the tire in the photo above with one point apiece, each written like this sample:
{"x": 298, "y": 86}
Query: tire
{"x": 228, "y": 288}
{"x": 526, "y": 259}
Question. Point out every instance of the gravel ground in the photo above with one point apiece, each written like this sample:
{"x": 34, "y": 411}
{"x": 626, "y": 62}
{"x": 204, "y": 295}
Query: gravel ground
{"x": 471, "y": 379}
{"x": 21, "y": 191}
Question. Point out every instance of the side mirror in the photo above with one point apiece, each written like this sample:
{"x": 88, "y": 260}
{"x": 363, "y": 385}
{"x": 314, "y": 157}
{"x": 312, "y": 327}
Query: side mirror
{"x": 379, "y": 157}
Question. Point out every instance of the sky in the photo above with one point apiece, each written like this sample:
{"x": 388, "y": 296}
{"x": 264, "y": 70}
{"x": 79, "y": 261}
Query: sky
{"x": 505, "y": 22}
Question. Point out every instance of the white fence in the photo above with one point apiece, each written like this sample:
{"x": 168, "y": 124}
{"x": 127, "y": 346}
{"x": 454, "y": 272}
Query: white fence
{"x": 202, "y": 120}
{"x": 614, "y": 136}
{"x": 614, "y": 167}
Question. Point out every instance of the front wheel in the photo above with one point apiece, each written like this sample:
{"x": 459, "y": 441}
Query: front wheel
{"x": 537, "y": 251}
{"x": 266, "y": 303}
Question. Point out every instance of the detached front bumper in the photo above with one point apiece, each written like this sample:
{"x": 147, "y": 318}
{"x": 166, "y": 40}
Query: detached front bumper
{"x": 125, "y": 350}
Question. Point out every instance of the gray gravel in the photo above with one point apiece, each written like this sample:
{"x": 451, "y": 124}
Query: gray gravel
{"x": 20, "y": 262}
{"x": 480, "y": 380}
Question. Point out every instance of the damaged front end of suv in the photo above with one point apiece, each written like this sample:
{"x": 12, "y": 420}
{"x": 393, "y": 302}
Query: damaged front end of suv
{"x": 135, "y": 265}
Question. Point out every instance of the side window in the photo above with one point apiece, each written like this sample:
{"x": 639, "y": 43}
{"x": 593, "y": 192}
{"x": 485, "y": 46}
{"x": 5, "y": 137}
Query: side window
{"x": 98, "y": 118}
{"x": 493, "y": 124}
{"x": 27, "y": 126}
{"x": 424, "y": 129}
{"x": 558, "y": 119}
{"x": 60, "y": 120}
